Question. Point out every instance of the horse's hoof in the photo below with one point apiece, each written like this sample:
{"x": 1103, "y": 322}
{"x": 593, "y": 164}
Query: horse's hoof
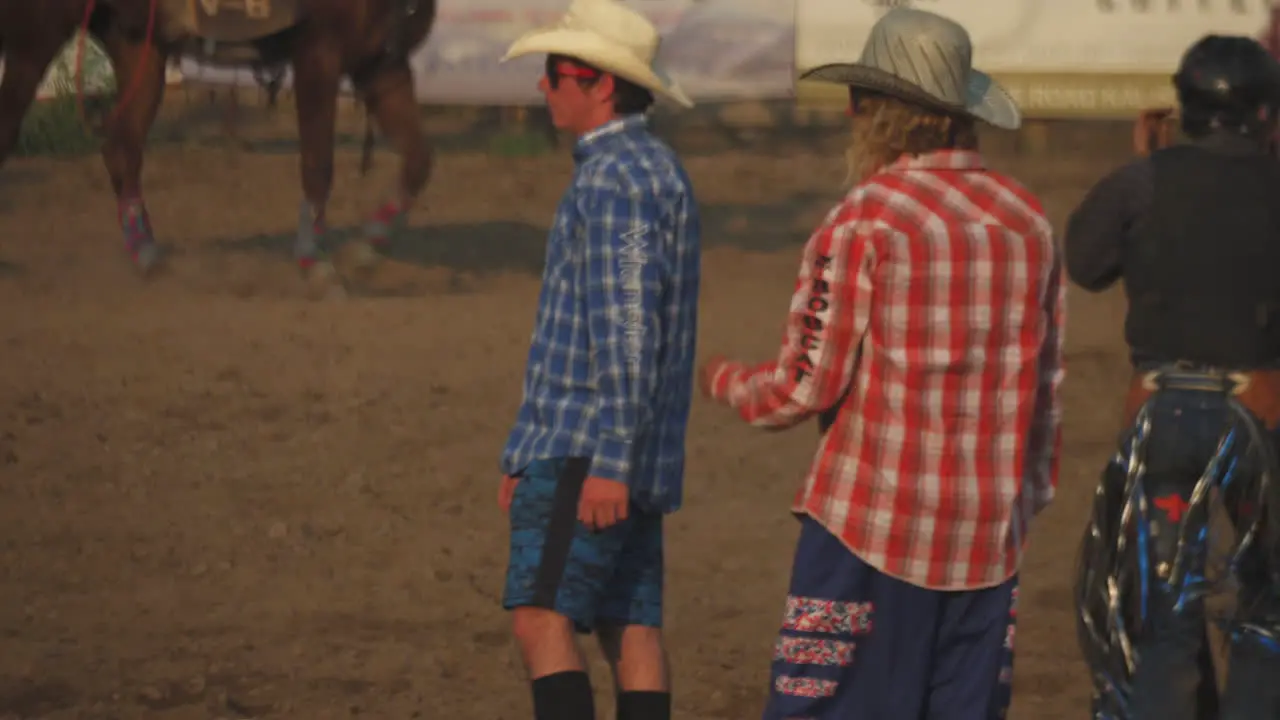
{"x": 335, "y": 291}
{"x": 315, "y": 269}
{"x": 365, "y": 255}
{"x": 147, "y": 259}
{"x": 322, "y": 279}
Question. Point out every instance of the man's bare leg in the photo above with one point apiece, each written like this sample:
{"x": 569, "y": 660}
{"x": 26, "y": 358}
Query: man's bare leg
{"x": 562, "y": 691}
{"x": 546, "y": 641}
{"x": 641, "y": 674}
{"x": 557, "y": 672}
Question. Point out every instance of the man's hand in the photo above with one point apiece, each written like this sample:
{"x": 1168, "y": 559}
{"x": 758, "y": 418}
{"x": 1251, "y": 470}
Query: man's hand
{"x": 507, "y": 491}
{"x": 603, "y": 503}
{"x": 707, "y": 374}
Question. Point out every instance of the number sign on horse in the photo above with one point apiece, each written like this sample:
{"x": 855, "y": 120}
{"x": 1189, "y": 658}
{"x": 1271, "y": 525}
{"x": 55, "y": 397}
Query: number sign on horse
{"x": 252, "y": 9}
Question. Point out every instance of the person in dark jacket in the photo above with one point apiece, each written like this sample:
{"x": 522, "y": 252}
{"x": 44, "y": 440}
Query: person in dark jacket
{"x": 1193, "y": 233}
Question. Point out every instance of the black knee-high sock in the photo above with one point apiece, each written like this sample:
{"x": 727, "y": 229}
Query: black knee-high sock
{"x": 644, "y": 706}
{"x": 563, "y": 696}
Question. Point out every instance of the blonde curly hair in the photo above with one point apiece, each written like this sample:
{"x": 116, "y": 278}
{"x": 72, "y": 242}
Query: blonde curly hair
{"x": 885, "y": 128}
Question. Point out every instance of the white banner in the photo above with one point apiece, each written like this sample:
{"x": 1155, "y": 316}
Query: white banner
{"x": 1057, "y": 57}
{"x": 716, "y": 50}
{"x": 1076, "y": 36}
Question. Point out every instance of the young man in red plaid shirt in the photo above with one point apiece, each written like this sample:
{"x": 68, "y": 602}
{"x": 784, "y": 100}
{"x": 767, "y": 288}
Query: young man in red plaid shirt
{"x": 926, "y": 331}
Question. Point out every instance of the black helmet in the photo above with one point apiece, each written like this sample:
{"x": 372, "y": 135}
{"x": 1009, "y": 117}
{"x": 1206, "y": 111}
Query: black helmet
{"x": 1223, "y": 81}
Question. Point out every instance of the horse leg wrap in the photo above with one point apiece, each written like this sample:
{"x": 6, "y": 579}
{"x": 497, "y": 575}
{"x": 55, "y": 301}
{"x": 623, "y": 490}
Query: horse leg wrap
{"x": 135, "y": 223}
{"x": 307, "y": 244}
{"x": 387, "y": 220}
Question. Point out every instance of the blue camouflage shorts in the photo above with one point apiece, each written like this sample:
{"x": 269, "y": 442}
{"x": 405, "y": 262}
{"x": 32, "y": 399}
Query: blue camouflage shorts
{"x": 613, "y": 576}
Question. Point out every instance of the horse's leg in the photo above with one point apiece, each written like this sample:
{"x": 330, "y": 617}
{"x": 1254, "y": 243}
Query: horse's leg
{"x": 140, "y": 68}
{"x": 317, "y": 77}
{"x": 389, "y": 94}
{"x": 26, "y": 59}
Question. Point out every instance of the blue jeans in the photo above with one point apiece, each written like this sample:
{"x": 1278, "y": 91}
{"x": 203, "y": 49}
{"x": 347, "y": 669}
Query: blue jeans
{"x": 1174, "y": 679}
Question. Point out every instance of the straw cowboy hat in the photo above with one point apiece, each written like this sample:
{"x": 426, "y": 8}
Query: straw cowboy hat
{"x": 608, "y": 35}
{"x": 924, "y": 58}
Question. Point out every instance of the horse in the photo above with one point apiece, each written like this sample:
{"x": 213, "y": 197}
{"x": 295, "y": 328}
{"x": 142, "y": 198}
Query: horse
{"x": 322, "y": 41}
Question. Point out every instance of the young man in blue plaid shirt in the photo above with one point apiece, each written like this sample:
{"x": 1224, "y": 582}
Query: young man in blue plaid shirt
{"x": 596, "y": 457}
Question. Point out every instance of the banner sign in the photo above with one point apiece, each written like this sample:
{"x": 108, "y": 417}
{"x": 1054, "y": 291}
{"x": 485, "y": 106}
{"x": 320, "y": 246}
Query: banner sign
{"x": 715, "y": 49}
{"x": 1064, "y": 58}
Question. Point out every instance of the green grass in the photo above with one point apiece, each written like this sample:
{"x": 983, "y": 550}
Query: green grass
{"x": 53, "y": 127}
{"x": 519, "y": 144}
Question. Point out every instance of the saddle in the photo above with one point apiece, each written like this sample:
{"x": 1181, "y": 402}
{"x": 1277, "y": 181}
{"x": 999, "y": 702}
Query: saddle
{"x": 235, "y": 21}
{"x": 1258, "y": 390}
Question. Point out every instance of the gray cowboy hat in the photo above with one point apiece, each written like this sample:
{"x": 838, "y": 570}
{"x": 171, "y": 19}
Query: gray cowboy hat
{"x": 925, "y": 58}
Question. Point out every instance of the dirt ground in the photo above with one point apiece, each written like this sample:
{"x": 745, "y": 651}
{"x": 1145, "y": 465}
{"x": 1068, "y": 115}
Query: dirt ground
{"x": 223, "y": 498}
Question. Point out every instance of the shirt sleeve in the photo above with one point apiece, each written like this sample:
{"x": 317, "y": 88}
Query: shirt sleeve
{"x": 827, "y": 320}
{"x": 624, "y": 276}
{"x": 1097, "y": 228}
{"x": 1045, "y": 440}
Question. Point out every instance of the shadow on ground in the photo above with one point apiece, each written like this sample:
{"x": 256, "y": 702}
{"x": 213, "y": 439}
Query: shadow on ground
{"x": 498, "y": 247}
{"x": 706, "y": 131}
{"x": 703, "y": 140}
{"x": 479, "y": 248}
{"x": 767, "y": 128}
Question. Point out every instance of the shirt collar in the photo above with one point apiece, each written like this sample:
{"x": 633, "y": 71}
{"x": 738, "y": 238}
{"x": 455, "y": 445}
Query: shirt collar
{"x": 591, "y": 142}
{"x": 940, "y": 160}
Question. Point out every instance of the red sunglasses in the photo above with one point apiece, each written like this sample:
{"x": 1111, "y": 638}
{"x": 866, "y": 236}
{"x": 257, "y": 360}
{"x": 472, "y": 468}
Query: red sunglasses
{"x": 561, "y": 68}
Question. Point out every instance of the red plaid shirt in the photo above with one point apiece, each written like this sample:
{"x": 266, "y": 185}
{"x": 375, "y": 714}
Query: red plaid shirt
{"x": 929, "y": 309}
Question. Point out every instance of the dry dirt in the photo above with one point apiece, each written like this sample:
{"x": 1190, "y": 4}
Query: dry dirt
{"x": 223, "y": 498}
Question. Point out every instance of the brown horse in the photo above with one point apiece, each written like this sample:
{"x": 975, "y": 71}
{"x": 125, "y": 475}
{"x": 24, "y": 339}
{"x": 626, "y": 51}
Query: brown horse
{"x": 323, "y": 41}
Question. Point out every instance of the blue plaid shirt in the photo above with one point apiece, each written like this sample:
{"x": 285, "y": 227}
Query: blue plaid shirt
{"x": 611, "y": 362}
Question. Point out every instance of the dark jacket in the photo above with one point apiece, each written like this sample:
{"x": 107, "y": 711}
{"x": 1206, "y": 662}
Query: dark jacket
{"x": 1194, "y": 233}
